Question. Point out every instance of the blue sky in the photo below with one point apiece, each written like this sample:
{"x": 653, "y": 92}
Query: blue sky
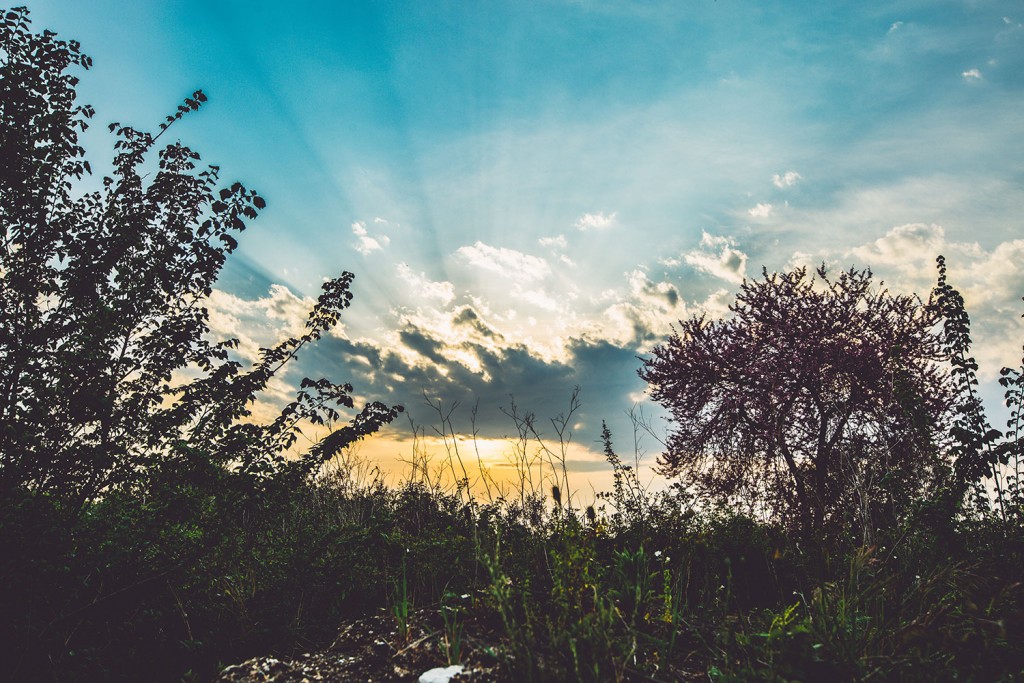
{"x": 530, "y": 193}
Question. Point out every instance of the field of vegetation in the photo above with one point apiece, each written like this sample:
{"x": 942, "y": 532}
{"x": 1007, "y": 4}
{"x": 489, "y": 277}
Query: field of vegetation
{"x": 841, "y": 508}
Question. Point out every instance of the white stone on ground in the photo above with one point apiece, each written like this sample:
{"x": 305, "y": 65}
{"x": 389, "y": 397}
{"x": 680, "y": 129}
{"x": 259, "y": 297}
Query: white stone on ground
{"x": 441, "y": 674}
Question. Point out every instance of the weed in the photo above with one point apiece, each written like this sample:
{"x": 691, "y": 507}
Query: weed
{"x": 453, "y": 627}
{"x": 402, "y": 604}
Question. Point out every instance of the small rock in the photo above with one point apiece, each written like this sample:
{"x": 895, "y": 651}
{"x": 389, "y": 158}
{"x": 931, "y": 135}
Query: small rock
{"x": 441, "y": 674}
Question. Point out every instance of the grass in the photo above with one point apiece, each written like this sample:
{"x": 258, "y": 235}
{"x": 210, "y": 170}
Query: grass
{"x": 177, "y": 580}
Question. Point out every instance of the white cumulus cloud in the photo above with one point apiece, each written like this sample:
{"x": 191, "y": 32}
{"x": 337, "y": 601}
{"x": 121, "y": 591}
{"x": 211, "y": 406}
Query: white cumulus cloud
{"x": 787, "y": 179}
{"x": 906, "y": 247}
{"x": 366, "y": 244}
{"x": 557, "y": 241}
{"x": 505, "y": 262}
{"x": 256, "y": 323}
{"x": 596, "y": 221}
{"x": 991, "y": 281}
{"x": 419, "y": 283}
{"x": 761, "y": 211}
{"x": 718, "y": 256}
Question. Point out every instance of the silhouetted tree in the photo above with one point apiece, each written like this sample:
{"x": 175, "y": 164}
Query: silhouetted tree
{"x": 816, "y": 400}
{"x": 102, "y": 301}
{"x": 984, "y": 458}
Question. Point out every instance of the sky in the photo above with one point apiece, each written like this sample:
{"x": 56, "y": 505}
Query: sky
{"x": 531, "y": 193}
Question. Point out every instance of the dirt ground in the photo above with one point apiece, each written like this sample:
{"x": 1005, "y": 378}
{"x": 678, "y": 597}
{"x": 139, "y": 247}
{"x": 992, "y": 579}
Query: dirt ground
{"x": 372, "y": 650}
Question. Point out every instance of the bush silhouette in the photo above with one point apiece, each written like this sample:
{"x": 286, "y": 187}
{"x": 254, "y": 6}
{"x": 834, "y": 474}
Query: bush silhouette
{"x": 102, "y": 303}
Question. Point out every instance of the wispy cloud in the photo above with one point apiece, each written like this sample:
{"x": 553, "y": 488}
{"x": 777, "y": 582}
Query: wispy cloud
{"x": 596, "y": 221}
{"x": 260, "y": 322}
{"x": 663, "y": 293}
{"x": 420, "y": 284}
{"x": 366, "y": 244}
{"x": 991, "y": 280}
{"x": 787, "y": 179}
{"x": 557, "y": 241}
{"x": 906, "y": 247}
{"x": 718, "y": 256}
{"x": 508, "y": 263}
{"x": 540, "y": 299}
{"x": 971, "y": 75}
{"x": 761, "y": 210}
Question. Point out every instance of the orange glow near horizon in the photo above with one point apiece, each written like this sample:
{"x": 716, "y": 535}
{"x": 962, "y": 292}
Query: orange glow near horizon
{"x": 494, "y": 468}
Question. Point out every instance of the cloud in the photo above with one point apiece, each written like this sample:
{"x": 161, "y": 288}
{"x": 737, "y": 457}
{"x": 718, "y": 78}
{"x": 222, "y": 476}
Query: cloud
{"x": 718, "y": 256}
{"x": 367, "y": 244}
{"x": 540, "y": 298}
{"x": 260, "y": 323}
{"x": 971, "y": 75}
{"x": 455, "y": 331}
{"x": 905, "y": 248}
{"x": 663, "y": 293}
{"x": 802, "y": 259}
{"x": 639, "y": 317}
{"x": 991, "y": 281}
{"x": 787, "y": 179}
{"x": 508, "y": 263}
{"x": 468, "y": 316}
{"x": 458, "y": 356}
{"x": 473, "y": 352}
{"x": 557, "y": 241}
{"x": 425, "y": 287}
{"x": 256, "y": 323}
{"x": 970, "y": 205}
{"x": 896, "y": 26}
{"x": 761, "y": 211}
{"x": 596, "y": 221}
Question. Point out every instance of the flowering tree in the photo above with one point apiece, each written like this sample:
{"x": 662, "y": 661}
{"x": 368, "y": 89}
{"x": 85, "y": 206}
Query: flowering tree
{"x": 817, "y": 400}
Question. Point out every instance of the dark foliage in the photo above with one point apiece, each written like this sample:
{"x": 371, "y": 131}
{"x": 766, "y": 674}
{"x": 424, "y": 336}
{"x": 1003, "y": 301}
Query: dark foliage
{"x": 981, "y": 453}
